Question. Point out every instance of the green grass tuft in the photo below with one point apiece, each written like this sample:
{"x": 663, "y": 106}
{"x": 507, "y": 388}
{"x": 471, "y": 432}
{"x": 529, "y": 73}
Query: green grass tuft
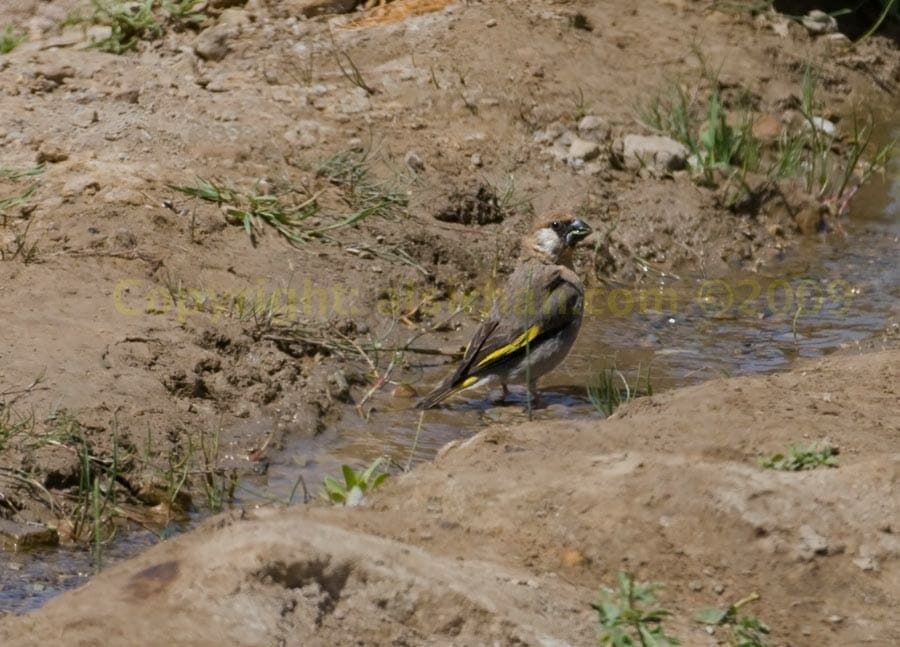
{"x": 609, "y": 389}
{"x": 10, "y": 38}
{"x": 802, "y": 458}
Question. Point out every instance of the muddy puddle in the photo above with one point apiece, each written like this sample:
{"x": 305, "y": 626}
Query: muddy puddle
{"x": 831, "y": 293}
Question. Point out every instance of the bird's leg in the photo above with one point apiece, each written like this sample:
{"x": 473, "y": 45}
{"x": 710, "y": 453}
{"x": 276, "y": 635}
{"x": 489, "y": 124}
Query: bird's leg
{"x": 536, "y": 402}
{"x": 503, "y": 393}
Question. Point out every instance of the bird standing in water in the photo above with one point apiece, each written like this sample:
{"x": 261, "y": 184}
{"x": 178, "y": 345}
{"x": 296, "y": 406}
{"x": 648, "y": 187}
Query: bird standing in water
{"x": 534, "y": 320}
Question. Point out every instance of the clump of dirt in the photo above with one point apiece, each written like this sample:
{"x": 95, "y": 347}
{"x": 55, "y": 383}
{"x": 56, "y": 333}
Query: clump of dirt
{"x": 478, "y": 204}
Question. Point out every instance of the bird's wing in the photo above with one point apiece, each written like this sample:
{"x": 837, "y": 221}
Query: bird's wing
{"x": 525, "y": 321}
{"x": 537, "y": 302}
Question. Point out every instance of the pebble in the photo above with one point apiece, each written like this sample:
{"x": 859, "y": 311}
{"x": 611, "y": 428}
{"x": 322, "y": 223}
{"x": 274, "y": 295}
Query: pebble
{"x": 491, "y": 23}
{"x": 767, "y": 127}
{"x": 814, "y": 542}
{"x": 582, "y": 149}
{"x": 404, "y": 391}
{"x": 51, "y": 154}
{"x": 218, "y": 83}
{"x": 212, "y": 43}
{"x": 56, "y": 73}
{"x": 80, "y": 184}
{"x": 357, "y": 102}
{"x": 592, "y": 122}
{"x": 414, "y": 162}
{"x": 824, "y": 126}
{"x": 866, "y": 564}
{"x": 661, "y": 154}
{"x": 819, "y": 22}
{"x": 476, "y": 160}
{"x": 19, "y": 536}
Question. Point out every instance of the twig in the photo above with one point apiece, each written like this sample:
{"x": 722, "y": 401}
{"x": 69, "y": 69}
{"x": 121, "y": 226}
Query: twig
{"x": 415, "y": 444}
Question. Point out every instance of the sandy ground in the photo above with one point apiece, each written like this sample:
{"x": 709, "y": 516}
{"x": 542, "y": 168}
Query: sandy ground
{"x": 143, "y": 314}
{"x": 507, "y": 537}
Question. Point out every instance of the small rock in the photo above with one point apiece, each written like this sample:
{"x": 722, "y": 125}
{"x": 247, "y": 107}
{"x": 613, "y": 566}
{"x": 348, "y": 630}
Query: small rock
{"x": 306, "y": 133}
{"x": 212, "y": 43}
{"x": 56, "y": 73}
{"x": 311, "y": 8}
{"x": 590, "y": 123}
{"x": 543, "y": 137}
{"x": 404, "y": 391}
{"x": 51, "y": 154}
{"x": 218, "y": 83}
{"x": 818, "y": 22}
{"x": 718, "y": 588}
{"x": 355, "y": 103}
{"x": 767, "y": 127}
{"x": 225, "y": 4}
{"x": 129, "y": 95}
{"x": 659, "y": 153}
{"x": 20, "y": 536}
{"x": 835, "y": 619}
{"x": 582, "y": 149}
{"x": 837, "y": 38}
{"x": 80, "y": 184}
{"x": 869, "y": 564}
{"x": 476, "y": 160}
{"x": 490, "y": 23}
{"x": 781, "y": 27}
{"x": 815, "y": 542}
{"x": 695, "y": 585}
{"x": 824, "y": 126}
{"x": 414, "y": 162}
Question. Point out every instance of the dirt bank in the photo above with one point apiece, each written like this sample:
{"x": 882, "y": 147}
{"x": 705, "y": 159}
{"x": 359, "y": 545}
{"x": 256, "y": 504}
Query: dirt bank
{"x": 509, "y": 535}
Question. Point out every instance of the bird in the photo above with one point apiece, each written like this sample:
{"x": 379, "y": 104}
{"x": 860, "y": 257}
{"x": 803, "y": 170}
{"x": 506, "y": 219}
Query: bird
{"x": 534, "y": 319}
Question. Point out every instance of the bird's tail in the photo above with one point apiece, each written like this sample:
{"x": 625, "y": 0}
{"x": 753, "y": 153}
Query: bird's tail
{"x": 446, "y": 389}
{"x": 436, "y": 396}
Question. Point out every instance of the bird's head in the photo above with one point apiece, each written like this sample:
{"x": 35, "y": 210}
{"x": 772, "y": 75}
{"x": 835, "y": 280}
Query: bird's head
{"x": 554, "y": 238}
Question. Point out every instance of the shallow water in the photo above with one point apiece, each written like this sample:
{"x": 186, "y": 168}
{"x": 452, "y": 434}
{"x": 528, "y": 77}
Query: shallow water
{"x": 834, "y": 291}
{"x": 848, "y": 286}
{"x": 29, "y": 579}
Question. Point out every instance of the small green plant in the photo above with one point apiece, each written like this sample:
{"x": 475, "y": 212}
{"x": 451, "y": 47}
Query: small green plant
{"x": 10, "y": 39}
{"x": 629, "y": 615}
{"x": 252, "y": 211}
{"x": 129, "y": 23}
{"x": 609, "y": 389}
{"x": 356, "y": 485}
{"x": 132, "y": 21}
{"x": 744, "y": 630}
{"x": 802, "y": 458}
{"x": 724, "y": 151}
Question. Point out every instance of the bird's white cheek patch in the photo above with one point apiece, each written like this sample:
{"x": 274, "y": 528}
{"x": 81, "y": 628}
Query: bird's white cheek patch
{"x": 547, "y": 241}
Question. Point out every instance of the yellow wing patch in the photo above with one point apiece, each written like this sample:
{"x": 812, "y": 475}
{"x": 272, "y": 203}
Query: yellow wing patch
{"x": 525, "y": 338}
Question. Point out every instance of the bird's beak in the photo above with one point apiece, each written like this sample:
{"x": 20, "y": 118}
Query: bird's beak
{"x": 577, "y": 231}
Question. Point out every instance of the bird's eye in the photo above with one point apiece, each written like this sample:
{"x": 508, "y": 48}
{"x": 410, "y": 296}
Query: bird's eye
{"x": 556, "y": 225}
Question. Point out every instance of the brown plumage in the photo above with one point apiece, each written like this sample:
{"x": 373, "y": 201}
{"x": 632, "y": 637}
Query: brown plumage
{"x": 534, "y": 320}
